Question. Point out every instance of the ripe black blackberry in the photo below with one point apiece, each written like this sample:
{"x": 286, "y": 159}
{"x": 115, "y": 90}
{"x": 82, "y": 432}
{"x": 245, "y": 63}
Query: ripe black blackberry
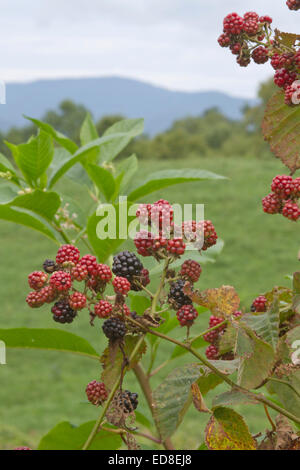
{"x": 177, "y": 296}
{"x": 126, "y": 264}
{"x": 62, "y": 312}
{"x": 114, "y": 328}
{"x": 50, "y": 266}
{"x": 128, "y": 401}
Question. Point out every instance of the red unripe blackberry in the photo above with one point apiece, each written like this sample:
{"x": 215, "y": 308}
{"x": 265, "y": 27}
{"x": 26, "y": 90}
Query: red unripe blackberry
{"x": 191, "y": 270}
{"x": 236, "y": 48}
{"x": 114, "y": 328}
{"x": 68, "y": 254}
{"x": 159, "y": 242}
{"x": 161, "y": 213}
{"x": 176, "y": 295}
{"x": 186, "y": 315}
{"x": 260, "y": 55}
{"x": 224, "y": 40}
{"x": 238, "y": 314}
{"x": 243, "y": 60}
{"x": 104, "y": 273}
{"x": 79, "y": 273}
{"x": 251, "y": 27}
{"x": 293, "y": 4}
{"x": 272, "y": 204}
{"x": 103, "y": 309}
{"x": 287, "y": 60}
{"x": 90, "y": 262}
{"x": 275, "y": 61}
{"x": 292, "y": 94}
{"x": 282, "y": 185}
{"x": 144, "y": 243}
{"x": 296, "y": 185}
{"x": 77, "y": 301}
{"x": 212, "y": 352}
{"x": 126, "y": 265}
{"x": 265, "y": 19}
{"x": 233, "y": 24}
{"x": 176, "y": 246}
{"x": 211, "y": 336}
{"x": 37, "y": 280}
{"x": 96, "y": 392}
{"x": 291, "y": 211}
{"x": 61, "y": 281}
{"x": 251, "y": 16}
{"x": 49, "y": 266}
{"x": 128, "y": 401}
{"x": 121, "y": 285}
{"x": 48, "y": 294}
{"x": 259, "y": 304}
{"x": 62, "y": 312}
{"x": 35, "y": 299}
{"x": 283, "y": 78}
{"x": 214, "y": 321}
{"x": 22, "y": 448}
{"x": 210, "y": 236}
{"x": 145, "y": 279}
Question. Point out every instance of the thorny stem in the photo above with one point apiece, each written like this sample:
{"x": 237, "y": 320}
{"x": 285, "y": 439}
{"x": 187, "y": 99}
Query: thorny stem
{"x": 259, "y": 398}
{"x": 160, "y": 287}
{"x": 109, "y": 399}
{"x": 145, "y": 386}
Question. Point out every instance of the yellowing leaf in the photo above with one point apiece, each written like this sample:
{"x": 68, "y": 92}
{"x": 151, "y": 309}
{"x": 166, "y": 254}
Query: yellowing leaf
{"x": 226, "y": 430}
{"x": 198, "y": 399}
{"x": 222, "y": 301}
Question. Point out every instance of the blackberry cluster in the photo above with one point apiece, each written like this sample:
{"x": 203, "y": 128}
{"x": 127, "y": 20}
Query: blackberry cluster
{"x": 293, "y": 4}
{"x": 114, "y": 328}
{"x": 259, "y": 304}
{"x": 57, "y": 283}
{"x": 96, "y": 392}
{"x": 284, "y": 197}
{"x": 103, "y": 309}
{"x": 177, "y": 298}
{"x": 186, "y": 315}
{"x": 128, "y": 401}
{"x": 250, "y": 37}
{"x": 62, "y": 312}
{"x": 190, "y": 270}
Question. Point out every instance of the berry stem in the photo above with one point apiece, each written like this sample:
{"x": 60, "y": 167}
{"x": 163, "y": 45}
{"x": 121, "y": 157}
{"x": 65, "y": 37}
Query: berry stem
{"x": 160, "y": 287}
{"x": 110, "y": 397}
{"x": 259, "y": 398}
{"x": 216, "y": 327}
{"x": 269, "y": 418}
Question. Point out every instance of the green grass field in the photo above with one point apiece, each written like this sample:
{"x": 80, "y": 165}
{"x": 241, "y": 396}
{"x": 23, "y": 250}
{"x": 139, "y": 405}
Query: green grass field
{"x": 39, "y": 389}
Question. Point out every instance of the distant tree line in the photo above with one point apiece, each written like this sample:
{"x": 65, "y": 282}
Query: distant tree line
{"x": 211, "y": 134}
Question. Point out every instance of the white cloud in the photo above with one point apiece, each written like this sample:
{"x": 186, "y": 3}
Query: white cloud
{"x": 166, "y": 42}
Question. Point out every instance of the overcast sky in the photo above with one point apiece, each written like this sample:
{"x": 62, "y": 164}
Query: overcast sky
{"x": 166, "y": 42}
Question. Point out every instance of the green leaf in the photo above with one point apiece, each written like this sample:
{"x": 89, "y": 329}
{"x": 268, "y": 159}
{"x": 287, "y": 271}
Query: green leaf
{"x": 98, "y": 224}
{"x": 34, "y": 157}
{"x": 6, "y": 166}
{"x": 172, "y": 398}
{"x": 127, "y": 130}
{"x": 88, "y": 131}
{"x": 112, "y": 359}
{"x": 65, "y": 436}
{"x": 164, "y": 178}
{"x": 244, "y": 344}
{"x": 43, "y": 203}
{"x": 47, "y": 339}
{"x": 232, "y": 398}
{"x": 226, "y": 430}
{"x": 103, "y": 179}
{"x": 21, "y": 217}
{"x": 289, "y": 391}
{"x": 126, "y": 169}
{"x": 142, "y": 419}
{"x": 266, "y": 325}
{"x": 82, "y": 155}
{"x": 228, "y": 339}
{"x": 7, "y": 193}
{"x": 139, "y": 303}
{"x": 281, "y": 128}
{"x": 61, "y": 139}
{"x": 254, "y": 370}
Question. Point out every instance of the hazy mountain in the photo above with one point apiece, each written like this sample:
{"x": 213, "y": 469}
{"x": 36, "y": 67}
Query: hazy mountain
{"x": 113, "y": 95}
